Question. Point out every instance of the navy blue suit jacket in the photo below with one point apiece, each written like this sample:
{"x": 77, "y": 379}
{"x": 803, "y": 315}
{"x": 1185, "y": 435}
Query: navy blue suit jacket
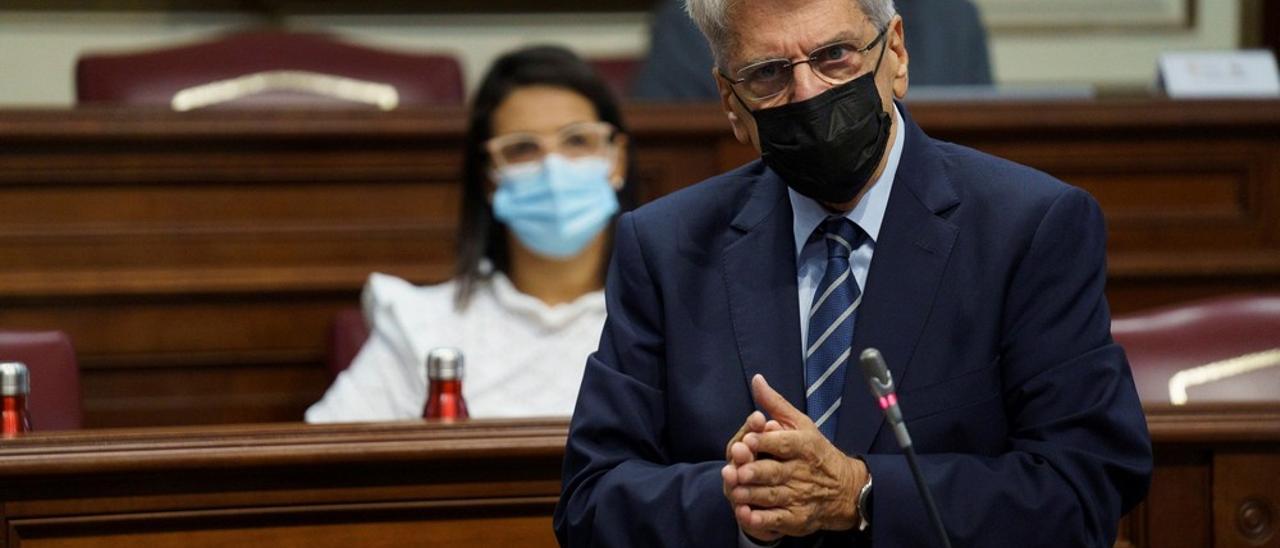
{"x": 985, "y": 296}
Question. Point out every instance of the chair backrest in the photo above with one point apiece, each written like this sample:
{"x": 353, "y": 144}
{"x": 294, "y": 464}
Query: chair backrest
{"x": 617, "y": 72}
{"x": 269, "y": 69}
{"x": 55, "y": 377}
{"x": 1236, "y": 337}
{"x": 347, "y": 334}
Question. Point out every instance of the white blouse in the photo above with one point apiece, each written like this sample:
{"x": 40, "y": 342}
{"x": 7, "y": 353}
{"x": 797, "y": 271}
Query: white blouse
{"x": 522, "y": 357}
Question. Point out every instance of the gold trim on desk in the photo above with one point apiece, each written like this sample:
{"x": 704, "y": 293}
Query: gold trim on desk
{"x": 383, "y": 96}
{"x": 1219, "y": 370}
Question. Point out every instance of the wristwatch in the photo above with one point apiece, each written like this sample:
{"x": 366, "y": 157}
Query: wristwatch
{"x": 864, "y": 505}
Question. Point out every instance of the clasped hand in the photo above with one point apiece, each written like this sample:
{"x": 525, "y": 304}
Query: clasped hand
{"x": 784, "y": 477}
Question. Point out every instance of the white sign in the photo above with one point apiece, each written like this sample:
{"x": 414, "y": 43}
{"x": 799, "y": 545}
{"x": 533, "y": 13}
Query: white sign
{"x": 1250, "y": 73}
{"x": 1000, "y": 15}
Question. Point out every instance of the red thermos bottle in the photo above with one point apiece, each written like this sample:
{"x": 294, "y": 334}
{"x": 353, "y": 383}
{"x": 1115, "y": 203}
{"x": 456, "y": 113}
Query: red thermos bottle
{"x": 15, "y": 385}
{"x": 444, "y": 379}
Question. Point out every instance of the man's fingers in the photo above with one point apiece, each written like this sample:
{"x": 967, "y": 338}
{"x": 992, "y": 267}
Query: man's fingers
{"x": 742, "y": 513}
{"x": 729, "y": 475}
{"x": 755, "y": 423}
{"x": 740, "y": 454}
{"x": 774, "y": 404}
{"x": 768, "y": 496}
{"x": 737, "y": 437}
{"x": 782, "y": 444}
{"x": 772, "y": 519}
{"x": 764, "y": 472}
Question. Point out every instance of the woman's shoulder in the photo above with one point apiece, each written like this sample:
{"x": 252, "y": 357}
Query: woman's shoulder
{"x": 387, "y": 291}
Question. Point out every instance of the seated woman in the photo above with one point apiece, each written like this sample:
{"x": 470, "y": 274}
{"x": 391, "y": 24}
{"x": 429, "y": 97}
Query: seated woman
{"x": 543, "y": 178}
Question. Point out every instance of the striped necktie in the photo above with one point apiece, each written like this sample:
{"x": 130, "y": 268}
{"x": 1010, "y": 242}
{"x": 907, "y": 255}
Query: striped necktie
{"x": 831, "y": 319}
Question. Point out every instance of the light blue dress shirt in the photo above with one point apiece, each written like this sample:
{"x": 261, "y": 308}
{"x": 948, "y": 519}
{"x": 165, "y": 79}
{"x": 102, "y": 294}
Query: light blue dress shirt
{"x": 811, "y": 253}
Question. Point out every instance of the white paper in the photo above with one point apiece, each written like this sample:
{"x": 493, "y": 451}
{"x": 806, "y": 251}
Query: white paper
{"x": 1249, "y": 73}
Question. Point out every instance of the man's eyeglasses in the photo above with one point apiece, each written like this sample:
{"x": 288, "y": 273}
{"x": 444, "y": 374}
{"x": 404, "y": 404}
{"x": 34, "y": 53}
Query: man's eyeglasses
{"x": 572, "y": 141}
{"x": 834, "y": 64}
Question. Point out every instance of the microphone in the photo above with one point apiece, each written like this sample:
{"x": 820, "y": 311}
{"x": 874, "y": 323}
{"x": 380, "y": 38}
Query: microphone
{"x": 881, "y": 383}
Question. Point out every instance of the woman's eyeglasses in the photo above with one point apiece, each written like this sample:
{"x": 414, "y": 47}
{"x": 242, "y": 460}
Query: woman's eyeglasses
{"x": 572, "y": 141}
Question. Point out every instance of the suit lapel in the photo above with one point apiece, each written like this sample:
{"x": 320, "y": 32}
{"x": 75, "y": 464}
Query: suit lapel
{"x": 910, "y": 258}
{"x": 760, "y": 280}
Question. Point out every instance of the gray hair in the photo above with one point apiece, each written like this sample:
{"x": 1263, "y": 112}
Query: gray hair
{"x": 712, "y": 18}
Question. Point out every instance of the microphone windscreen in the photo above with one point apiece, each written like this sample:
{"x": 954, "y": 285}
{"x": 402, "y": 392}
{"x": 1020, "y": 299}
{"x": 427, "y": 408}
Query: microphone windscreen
{"x": 876, "y": 372}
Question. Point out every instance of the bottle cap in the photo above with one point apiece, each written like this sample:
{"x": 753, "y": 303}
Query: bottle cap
{"x": 14, "y": 379}
{"x": 444, "y": 364}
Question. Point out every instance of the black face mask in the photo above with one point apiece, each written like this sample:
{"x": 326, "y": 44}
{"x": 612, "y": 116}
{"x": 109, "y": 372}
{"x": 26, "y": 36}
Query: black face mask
{"x": 827, "y": 147}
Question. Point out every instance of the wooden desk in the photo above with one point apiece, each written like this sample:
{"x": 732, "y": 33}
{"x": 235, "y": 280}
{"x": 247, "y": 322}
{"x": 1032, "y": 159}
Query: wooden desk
{"x": 1216, "y": 482}
{"x": 488, "y": 483}
{"x": 197, "y": 258}
{"x": 475, "y": 484}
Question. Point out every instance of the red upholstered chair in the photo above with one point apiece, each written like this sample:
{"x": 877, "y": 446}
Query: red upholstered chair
{"x": 266, "y": 69}
{"x": 617, "y": 72}
{"x": 347, "y": 334}
{"x": 55, "y": 377}
{"x": 1220, "y": 349}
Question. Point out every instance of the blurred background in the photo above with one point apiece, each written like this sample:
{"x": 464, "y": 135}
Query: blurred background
{"x": 1106, "y": 44}
{"x": 206, "y": 266}
{"x": 183, "y": 276}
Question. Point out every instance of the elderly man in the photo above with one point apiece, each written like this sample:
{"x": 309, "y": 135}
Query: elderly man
{"x": 736, "y": 306}
{"x": 949, "y": 32}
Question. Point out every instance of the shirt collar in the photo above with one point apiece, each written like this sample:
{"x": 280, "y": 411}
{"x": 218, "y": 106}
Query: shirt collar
{"x": 807, "y": 213}
{"x": 508, "y": 297}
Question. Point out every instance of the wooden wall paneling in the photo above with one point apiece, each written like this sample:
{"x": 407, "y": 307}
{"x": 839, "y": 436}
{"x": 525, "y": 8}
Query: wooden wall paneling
{"x": 1137, "y": 292}
{"x": 1174, "y": 514}
{"x": 1191, "y": 193}
{"x": 1271, "y": 26}
{"x": 196, "y": 258}
{"x": 280, "y": 7}
{"x": 1246, "y": 499}
{"x": 1189, "y": 220}
{"x": 192, "y": 359}
{"x": 480, "y": 483}
{"x": 1195, "y": 447}
{"x": 477, "y": 483}
{"x": 342, "y": 527}
{"x": 677, "y": 146}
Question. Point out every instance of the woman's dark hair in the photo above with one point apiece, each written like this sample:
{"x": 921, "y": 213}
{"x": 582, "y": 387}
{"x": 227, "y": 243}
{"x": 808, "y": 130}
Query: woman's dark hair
{"x": 479, "y": 235}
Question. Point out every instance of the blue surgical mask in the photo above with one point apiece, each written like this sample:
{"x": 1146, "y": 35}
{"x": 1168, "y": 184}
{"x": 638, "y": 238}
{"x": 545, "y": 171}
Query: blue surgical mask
{"x": 556, "y": 206}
